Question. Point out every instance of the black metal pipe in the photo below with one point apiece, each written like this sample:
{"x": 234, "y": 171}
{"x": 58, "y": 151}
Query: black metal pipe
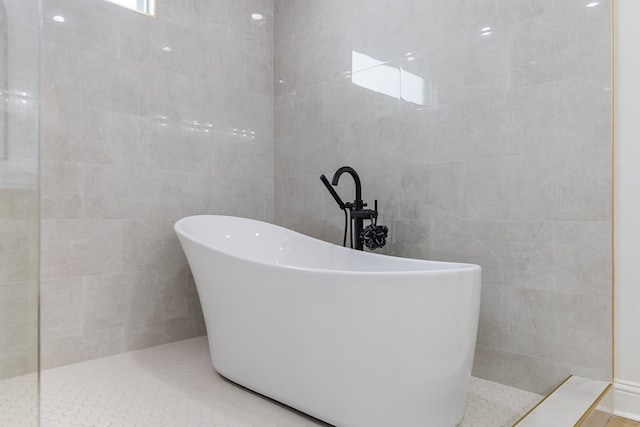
{"x": 351, "y": 171}
{"x": 358, "y": 205}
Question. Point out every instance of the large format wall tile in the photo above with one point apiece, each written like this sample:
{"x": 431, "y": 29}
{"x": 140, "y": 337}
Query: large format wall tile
{"x": 59, "y": 318}
{"x": 18, "y": 250}
{"x": 144, "y": 121}
{"x": 484, "y": 129}
{"x": 560, "y": 40}
{"x": 19, "y": 337}
{"x": 73, "y": 248}
{"x": 19, "y": 195}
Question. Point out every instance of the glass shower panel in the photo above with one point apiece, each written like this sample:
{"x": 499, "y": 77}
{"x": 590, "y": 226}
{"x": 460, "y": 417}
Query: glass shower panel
{"x": 19, "y": 211}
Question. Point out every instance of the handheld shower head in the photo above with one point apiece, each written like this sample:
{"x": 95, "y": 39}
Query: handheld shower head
{"x": 337, "y": 198}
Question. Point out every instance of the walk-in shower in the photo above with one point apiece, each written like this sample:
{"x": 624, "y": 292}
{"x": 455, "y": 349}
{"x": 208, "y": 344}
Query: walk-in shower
{"x": 482, "y": 127}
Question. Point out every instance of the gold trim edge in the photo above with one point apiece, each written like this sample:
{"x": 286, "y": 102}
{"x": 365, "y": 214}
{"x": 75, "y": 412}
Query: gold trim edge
{"x": 540, "y": 403}
{"x": 593, "y": 406}
{"x": 613, "y": 188}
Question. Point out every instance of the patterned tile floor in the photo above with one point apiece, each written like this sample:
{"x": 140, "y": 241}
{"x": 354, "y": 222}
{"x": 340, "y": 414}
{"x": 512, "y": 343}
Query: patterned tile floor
{"x": 19, "y": 401}
{"x": 174, "y": 385}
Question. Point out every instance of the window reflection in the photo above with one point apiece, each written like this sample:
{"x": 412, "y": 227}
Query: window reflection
{"x": 378, "y": 76}
{"x": 382, "y": 79}
{"x": 144, "y": 6}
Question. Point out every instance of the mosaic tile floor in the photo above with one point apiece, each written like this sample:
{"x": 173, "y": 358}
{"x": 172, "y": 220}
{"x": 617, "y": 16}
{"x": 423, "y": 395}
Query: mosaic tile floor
{"x": 19, "y": 401}
{"x": 174, "y": 385}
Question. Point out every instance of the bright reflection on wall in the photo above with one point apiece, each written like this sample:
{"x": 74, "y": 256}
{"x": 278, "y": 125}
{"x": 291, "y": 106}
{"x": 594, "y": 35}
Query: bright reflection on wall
{"x": 411, "y": 87}
{"x": 143, "y": 6}
{"x": 376, "y": 75}
{"x": 360, "y": 61}
{"x": 382, "y": 79}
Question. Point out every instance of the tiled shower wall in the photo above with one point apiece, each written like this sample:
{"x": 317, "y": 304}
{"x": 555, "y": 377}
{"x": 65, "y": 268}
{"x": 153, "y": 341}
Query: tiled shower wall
{"x": 484, "y": 129}
{"x": 144, "y": 121}
{"x": 18, "y": 187}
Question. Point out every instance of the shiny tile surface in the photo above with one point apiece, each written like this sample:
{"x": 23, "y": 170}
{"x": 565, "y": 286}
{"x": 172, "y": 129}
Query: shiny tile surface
{"x": 175, "y": 385}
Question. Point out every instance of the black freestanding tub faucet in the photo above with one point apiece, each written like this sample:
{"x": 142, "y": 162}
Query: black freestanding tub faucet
{"x": 375, "y": 237}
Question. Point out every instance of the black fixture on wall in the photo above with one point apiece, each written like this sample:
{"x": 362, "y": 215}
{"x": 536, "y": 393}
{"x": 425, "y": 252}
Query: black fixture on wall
{"x": 373, "y": 236}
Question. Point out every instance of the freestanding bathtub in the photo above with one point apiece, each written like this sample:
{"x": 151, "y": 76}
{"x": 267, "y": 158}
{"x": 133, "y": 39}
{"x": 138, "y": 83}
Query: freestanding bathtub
{"x": 351, "y": 338}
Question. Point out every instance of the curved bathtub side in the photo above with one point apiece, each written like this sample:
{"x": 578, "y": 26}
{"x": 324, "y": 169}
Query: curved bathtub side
{"x": 377, "y": 352}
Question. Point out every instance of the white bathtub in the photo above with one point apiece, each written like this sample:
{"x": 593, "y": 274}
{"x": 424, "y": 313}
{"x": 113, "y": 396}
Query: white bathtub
{"x": 354, "y": 339}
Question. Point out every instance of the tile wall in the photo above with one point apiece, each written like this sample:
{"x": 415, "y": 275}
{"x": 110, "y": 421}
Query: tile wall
{"x": 145, "y": 120}
{"x": 484, "y": 130}
{"x": 19, "y": 212}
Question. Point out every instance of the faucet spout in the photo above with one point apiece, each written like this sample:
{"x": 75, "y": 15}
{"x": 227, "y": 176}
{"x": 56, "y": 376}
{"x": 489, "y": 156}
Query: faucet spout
{"x": 351, "y": 171}
{"x": 374, "y": 236}
{"x": 358, "y": 204}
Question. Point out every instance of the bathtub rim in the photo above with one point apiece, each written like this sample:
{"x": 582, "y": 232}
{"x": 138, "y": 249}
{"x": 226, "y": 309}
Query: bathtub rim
{"x": 458, "y": 267}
